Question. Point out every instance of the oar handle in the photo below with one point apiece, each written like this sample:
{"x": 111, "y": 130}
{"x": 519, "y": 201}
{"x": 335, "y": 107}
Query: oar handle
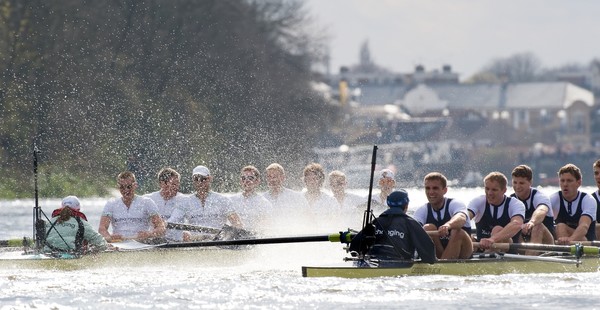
{"x": 505, "y": 247}
{"x": 343, "y": 237}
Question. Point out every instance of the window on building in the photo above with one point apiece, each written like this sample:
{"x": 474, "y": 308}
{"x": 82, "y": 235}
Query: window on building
{"x": 521, "y": 119}
{"x": 578, "y": 122}
{"x": 562, "y": 115}
{"x": 596, "y": 121}
{"x": 545, "y": 117}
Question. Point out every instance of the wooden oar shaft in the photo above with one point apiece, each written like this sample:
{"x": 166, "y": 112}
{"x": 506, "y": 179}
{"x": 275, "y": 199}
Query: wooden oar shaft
{"x": 506, "y": 247}
{"x": 275, "y": 240}
{"x": 586, "y": 243}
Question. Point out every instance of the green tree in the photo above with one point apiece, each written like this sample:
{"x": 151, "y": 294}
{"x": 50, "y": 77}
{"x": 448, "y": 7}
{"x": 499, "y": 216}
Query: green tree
{"x": 218, "y": 82}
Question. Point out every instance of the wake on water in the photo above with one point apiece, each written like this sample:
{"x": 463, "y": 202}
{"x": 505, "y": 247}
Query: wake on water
{"x": 268, "y": 276}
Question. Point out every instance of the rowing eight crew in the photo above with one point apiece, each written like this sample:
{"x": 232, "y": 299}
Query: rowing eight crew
{"x": 499, "y": 218}
{"x": 130, "y": 214}
{"x": 528, "y": 215}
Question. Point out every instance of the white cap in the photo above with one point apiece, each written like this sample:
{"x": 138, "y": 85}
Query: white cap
{"x": 201, "y": 170}
{"x": 386, "y": 173}
{"x": 71, "y": 202}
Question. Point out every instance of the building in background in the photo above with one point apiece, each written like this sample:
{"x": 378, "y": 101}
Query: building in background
{"x": 429, "y": 120}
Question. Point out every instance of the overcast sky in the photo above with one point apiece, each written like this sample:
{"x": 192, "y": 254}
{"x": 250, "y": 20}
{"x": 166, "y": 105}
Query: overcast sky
{"x": 466, "y": 34}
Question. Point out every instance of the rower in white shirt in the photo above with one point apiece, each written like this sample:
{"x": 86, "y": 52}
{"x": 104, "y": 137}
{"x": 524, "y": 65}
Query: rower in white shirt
{"x": 338, "y": 183}
{"x": 574, "y": 211}
{"x": 351, "y": 205}
{"x": 277, "y": 194}
{"x": 131, "y": 216}
{"x": 596, "y": 195}
{"x": 253, "y": 208}
{"x": 538, "y": 224}
{"x": 314, "y": 177}
{"x": 168, "y": 198}
{"x": 205, "y": 208}
{"x": 447, "y": 217}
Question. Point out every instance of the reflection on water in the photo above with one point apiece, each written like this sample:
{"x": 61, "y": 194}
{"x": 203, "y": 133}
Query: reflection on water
{"x": 265, "y": 277}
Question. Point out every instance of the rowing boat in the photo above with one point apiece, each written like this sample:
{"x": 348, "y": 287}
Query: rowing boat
{"x": 133, "y": 253}
{"x": 555, "y": 259}
{"x": 188, "y": 254}
{"x": 130, "y": 253}
{"x": 465, "y": 267}
{"x": 480, "y": 264}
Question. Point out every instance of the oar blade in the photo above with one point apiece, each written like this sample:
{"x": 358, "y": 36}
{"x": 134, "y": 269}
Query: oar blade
{"x": 16, "y": 242}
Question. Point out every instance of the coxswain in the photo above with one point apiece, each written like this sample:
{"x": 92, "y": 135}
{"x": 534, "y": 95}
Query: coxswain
{"x": 393, "y": 237}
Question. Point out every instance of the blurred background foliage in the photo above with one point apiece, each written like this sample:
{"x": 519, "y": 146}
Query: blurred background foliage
{"x": 105, "y": 86}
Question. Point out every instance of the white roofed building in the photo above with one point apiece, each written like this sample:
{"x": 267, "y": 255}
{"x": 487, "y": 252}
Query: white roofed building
{"x": 546, "y": 112}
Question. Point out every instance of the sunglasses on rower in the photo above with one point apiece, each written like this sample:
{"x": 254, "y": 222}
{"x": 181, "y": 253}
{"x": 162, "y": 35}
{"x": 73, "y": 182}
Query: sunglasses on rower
{"x": 200, "y": 178}
{"x": 126, "y": 186}
{"x": 248, "y": 177}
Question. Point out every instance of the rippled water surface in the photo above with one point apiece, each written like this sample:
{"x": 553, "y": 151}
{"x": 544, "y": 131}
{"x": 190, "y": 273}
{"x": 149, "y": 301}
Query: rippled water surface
{"x": 264, "y": 277}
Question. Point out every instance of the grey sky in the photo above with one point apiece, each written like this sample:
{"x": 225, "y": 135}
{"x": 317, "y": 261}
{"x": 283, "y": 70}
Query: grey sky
{"x": 466, "y": 34}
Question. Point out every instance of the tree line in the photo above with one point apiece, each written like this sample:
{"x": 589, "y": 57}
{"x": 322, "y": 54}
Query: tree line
{"x": 527, "y": 67}
{"x": 95, "y": 84}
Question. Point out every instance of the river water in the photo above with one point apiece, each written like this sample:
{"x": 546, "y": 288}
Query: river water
{"x": 269, "y": 277}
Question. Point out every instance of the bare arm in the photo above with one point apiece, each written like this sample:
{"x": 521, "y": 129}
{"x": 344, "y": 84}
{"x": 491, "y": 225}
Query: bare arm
{"x": 539, "y": 214}
{"x": 536, "y": 218}
{"x": 581, "y": 230}
{"x": 509, "y": 230}
{"x": 506, "y": 233}
{"x": 456, "y": 222}
{"x": 159, "y": 226}
{"x": 158, "y": 231}
{"x": 235, "y": 220}
{"x": 103, "y": 228}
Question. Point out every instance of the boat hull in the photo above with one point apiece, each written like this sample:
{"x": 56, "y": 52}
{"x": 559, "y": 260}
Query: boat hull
{"x": 185, "y": 258}
{"x": 456, "y": 267}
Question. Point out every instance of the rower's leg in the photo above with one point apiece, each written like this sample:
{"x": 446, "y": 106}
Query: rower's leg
{"x": 562, "y": 230}
{"x": 439, "y": 248}
{"x": 498, "y": 229}
{"x": 466, "y": 246}
{"x": 540, "y": 234}
{"x": 547, "y": 237}
{"x": 459, "y": 245}
{"x": 452, "y": 249}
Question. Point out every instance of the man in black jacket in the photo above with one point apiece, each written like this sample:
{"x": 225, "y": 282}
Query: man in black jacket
{"x": 394, "y": 236}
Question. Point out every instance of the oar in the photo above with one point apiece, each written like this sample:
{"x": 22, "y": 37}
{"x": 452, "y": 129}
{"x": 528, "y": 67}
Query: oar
{"x": 339, "y": 237}
{"x": 541, "y": 258}
{"x": 39, "y": 232}
{"x": 203, "y": 229}
{"x": 572, "y": 249}
{"x": 211, "y": 230}
{"x": 585, "y": 243}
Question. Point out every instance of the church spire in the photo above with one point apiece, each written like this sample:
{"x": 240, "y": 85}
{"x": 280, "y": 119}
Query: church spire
{"x": 365, "y": 55}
